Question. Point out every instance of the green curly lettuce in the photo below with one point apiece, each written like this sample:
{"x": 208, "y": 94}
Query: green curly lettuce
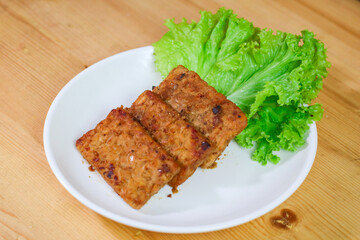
{"x": 272, "y": 76}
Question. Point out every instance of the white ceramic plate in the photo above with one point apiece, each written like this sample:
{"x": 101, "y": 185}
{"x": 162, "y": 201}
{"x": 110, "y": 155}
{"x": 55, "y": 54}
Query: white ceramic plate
{"x": 237, "y": 191}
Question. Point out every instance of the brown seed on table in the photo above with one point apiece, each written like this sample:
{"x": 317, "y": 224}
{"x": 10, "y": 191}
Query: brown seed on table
{"x": 286, "y": 220}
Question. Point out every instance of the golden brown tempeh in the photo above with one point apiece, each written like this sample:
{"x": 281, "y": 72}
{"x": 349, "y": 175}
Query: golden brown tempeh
{"x": 130, "y": 161}
{"x": 217, "y": 118}
{"x": 186, "y": 145}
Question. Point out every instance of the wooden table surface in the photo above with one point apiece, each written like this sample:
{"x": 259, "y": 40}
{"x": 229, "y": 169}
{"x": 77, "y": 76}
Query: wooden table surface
{"x": 44, "y": 44}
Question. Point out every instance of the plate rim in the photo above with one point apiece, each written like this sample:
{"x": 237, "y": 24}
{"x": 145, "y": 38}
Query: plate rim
{"x": 157, "y": 227}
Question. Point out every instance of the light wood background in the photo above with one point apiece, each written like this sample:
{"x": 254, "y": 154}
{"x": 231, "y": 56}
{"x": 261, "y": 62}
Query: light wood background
{"x": 44, "y": 44}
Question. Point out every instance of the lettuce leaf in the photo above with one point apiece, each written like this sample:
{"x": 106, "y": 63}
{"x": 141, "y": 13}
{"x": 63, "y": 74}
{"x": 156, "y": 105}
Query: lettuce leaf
{"x": 272, "y": 76}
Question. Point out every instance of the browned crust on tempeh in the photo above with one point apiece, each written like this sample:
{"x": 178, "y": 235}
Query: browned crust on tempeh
{"x": 130, "y": 161}
{"x": 181, "y": 140}
{"x": 217, "y": 118}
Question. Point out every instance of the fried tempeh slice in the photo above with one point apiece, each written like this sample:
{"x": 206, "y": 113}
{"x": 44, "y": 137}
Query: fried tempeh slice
{"x": 217, "y": 118}
{"x": 130, "y": 161}
{"x": 181, "y": 140}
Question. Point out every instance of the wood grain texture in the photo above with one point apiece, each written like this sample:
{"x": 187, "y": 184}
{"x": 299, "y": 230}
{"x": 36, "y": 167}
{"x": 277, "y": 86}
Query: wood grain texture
{"x": 44, "y": 44}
